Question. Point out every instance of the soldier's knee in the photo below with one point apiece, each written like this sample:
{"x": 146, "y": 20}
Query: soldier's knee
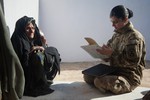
{"x": 120, "y": 91}
{"x": 120, "y": 87}
{"x": 111, "y": 84}
{"x": 99, "y": 84}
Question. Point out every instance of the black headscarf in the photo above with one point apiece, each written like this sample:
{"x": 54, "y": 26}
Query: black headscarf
{"x": 20, "y": 29}
{"x": 21, "y": 43}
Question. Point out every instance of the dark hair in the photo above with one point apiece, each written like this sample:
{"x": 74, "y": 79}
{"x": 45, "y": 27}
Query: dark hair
{"x": 121, "y": 12}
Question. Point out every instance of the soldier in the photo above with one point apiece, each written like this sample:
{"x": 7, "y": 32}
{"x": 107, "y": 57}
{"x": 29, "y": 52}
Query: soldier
{"x": 126, "y": 51}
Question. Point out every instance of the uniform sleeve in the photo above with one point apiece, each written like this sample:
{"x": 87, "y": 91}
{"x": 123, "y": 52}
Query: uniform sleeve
{"x": 133, "y": 50}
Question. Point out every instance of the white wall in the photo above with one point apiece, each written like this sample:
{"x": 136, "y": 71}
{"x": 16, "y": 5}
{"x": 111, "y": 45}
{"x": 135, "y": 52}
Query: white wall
{"x": 66, "y": 22}
{"x": 15, "y": 9}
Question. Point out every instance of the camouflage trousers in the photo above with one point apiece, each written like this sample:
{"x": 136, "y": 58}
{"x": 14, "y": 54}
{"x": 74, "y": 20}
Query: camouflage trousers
{"x": 115, "y": 84}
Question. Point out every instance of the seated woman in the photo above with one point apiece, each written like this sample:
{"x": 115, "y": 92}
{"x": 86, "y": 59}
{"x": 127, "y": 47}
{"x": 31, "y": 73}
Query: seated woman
{"x": 126, "y": 50}
{"x": 40, "y": 63}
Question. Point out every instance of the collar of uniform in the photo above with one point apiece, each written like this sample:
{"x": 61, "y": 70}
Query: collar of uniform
{"x": 128, "y": 27}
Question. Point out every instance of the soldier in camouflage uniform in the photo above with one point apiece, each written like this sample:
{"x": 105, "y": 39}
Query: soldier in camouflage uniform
{"x": 126, "y": 50}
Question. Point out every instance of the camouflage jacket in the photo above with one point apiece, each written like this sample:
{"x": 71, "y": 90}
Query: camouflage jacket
{"x": 128, "y": 53}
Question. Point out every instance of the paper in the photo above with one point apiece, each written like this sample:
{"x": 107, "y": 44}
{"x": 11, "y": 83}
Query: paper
{"x": 90, "y": 41}
{"x": 92, "y": 47}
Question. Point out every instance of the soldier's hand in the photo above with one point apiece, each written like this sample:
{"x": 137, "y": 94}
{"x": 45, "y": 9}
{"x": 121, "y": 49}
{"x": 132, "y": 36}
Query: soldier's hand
{"x": 105, "y": 50}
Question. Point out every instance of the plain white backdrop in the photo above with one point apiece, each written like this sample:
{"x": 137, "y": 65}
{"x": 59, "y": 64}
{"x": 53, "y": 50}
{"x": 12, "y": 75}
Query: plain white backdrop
{"x": 65, "y": 23}
{"x": 15, "y": 9}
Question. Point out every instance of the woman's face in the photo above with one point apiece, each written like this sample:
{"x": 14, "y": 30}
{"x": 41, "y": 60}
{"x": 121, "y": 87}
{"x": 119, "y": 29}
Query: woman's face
{"x": 117, "y": 23}
{"x": 30, "y": 30}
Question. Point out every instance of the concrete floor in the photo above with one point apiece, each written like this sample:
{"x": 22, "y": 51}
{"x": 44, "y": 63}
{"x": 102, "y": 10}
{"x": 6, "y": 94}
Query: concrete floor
{"x": 82, "y": 91}
{"x": 69, "y": 85}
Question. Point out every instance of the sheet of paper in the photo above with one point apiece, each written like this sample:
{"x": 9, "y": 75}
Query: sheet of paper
{"x": 91, "y": 49}
{"x": 90, "y": 41}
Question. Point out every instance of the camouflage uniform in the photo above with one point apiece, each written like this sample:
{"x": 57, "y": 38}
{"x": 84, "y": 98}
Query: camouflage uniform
{"x": 129, "y": 56}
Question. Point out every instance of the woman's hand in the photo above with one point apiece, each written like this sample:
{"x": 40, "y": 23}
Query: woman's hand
{"x": 105, "y": 50}
{"x": 34, "y": 48}
{"x": 43, "y": 39}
